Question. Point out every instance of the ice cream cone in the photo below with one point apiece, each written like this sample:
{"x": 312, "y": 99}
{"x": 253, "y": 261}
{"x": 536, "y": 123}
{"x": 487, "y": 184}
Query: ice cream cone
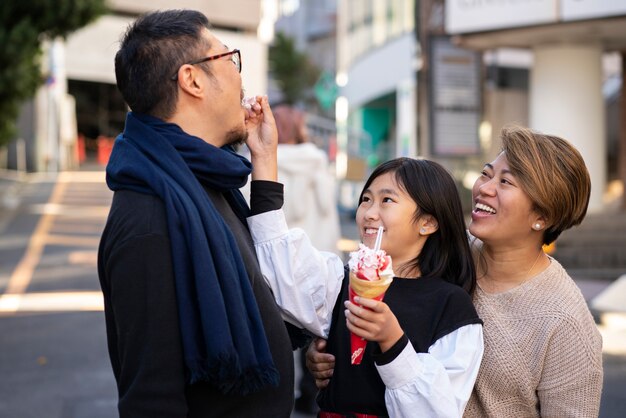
{"x": 371, "y": 289}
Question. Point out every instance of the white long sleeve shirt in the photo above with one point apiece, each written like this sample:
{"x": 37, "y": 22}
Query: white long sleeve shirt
{"x": 306, "y": 283}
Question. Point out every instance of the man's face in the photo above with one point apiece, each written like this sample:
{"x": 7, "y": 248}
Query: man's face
{"x": 223, "y": 98}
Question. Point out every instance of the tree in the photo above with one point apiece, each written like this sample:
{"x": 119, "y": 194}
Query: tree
{"x": 292, "y": 69}
{"x": 24, "y": 25}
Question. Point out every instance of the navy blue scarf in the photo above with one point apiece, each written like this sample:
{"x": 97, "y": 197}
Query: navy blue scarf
{"x": 223, "y": 339}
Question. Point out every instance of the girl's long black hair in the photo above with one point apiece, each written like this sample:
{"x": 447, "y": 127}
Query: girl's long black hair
{"x": 446, "y": 253}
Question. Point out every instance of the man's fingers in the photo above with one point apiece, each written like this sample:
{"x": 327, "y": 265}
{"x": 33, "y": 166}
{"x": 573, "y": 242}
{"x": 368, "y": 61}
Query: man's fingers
{"x": 320, "y": 344}
{"x": 322, "y": 383}
{"x": 323, "y": 374}
{"x": 321, "y": 362}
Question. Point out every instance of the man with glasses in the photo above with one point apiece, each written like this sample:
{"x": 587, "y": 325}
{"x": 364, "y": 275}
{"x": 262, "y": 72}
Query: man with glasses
{"x": 192, "y": 327}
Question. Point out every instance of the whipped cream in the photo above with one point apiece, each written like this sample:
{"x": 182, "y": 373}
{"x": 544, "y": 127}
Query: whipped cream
{"x": 371, "y": 265}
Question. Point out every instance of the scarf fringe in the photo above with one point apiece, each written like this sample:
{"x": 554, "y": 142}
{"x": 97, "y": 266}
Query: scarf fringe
{"x": 227, "y": 375}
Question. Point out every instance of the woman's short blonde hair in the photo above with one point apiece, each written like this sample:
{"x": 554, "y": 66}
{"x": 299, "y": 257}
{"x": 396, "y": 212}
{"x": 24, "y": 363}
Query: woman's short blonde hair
{"x": 552, "y": 173}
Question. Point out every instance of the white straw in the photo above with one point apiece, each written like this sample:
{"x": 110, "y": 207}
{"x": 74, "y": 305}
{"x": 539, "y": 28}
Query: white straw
{"x": 379, "y": 238}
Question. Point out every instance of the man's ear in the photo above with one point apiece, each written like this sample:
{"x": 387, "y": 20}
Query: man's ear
{"x": 428, "y": 225}
{"x": 190, "y": 80}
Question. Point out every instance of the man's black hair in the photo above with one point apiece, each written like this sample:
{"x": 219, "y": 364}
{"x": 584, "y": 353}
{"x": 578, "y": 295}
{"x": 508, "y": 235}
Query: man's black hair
{"x": 152, "y": 50}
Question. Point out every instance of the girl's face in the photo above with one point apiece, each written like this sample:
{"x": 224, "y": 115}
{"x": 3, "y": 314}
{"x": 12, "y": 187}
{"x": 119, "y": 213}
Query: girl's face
{"x": 503, "y": 213}
{"x": 386, "y": 204}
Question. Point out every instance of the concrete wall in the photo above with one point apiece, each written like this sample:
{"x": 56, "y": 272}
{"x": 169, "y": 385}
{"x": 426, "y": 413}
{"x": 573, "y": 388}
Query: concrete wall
{"x": 245, "y": 14}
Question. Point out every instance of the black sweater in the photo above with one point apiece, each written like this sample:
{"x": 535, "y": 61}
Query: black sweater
{"x": 136, "y": 276}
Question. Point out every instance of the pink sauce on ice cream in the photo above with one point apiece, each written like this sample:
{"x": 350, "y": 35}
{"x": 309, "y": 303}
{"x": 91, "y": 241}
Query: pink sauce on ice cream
{"x": 369, "y": 264}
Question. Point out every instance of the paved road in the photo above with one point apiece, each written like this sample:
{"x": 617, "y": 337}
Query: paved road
{"x": 53, "y": 358}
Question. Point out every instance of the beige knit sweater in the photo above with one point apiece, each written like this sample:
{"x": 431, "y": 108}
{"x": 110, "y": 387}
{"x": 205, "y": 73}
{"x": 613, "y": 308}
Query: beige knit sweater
{"x": 543, "y": 352}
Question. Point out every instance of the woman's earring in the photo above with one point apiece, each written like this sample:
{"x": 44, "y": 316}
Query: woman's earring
{"x": 537, "y": 226}
{"x": 422, "y": 230}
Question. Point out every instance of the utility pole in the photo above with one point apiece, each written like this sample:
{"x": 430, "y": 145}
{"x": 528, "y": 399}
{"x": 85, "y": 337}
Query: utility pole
{"x": 621, "y": 160}
{"x": 429, "y": 20}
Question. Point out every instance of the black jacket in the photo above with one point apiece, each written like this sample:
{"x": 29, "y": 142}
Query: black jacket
{"x": 136, "y": 276}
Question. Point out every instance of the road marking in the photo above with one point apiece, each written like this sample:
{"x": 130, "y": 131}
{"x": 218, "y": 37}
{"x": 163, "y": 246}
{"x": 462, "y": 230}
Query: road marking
{"x": 82, "y": 211}
{"x": 82, "y": 176}
{"x": 88, "y": 258}
{"x": 72, "y": 240}
{"x": 15, "y": 299}
{"x": 23, "y": 273}
{"x": 52, "y": 302}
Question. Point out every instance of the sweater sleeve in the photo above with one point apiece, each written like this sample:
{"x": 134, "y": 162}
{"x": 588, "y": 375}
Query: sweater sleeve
{"x": 571, "y": 380}
{"x": 437, "y": 383}
{"x": 150, "y": 370}
{"x": 265, "y": 196}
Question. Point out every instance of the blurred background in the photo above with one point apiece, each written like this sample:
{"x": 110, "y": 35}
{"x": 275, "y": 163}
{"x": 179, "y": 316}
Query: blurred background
{"x": 375, "y": 79}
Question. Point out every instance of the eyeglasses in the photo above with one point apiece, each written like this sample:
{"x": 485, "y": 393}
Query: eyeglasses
{"x": 235, "y": 55}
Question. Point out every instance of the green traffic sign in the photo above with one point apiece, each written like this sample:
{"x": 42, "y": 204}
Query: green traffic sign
{"x": 326, "y": 90}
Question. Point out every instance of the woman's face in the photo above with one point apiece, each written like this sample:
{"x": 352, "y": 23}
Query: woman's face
{"x": 502, "y": 211}
{"x": 386, "y": 204}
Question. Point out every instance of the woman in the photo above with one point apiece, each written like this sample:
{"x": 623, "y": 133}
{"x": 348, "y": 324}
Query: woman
{"x": 543, "y": 353}
{"x": 425, "y": 338}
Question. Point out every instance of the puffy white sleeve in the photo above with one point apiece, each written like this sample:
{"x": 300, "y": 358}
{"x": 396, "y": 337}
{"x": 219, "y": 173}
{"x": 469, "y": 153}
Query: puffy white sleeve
{"x": 305, "y": 281}
{"x": 438, "y": 383}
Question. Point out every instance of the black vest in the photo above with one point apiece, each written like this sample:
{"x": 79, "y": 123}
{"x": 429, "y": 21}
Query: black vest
{"x": 427, "y": 309}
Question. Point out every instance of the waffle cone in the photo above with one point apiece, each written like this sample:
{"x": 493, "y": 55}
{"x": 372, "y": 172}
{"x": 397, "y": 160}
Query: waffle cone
{"x": 369, "y": 289}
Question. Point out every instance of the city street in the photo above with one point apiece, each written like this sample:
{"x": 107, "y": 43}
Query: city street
{"x": 53, "y": 356}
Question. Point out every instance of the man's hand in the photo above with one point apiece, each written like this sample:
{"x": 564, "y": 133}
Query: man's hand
{"x": 374, "y": 321}
{"x": 320, "y": 364}
{"x": 262, "y": 139}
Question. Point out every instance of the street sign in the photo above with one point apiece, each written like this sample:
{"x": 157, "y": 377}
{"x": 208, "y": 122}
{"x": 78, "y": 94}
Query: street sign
{"x": 326, "y": 90}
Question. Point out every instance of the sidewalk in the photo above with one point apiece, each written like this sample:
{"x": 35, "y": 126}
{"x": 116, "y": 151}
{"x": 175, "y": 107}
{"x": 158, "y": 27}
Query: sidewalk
{"x": 609, "y": 307}
{"x": 10, "y": 184}
{"x": 12, "y": 181}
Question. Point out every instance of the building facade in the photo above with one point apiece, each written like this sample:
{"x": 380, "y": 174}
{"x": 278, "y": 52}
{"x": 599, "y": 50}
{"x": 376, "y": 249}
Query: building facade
{"x": 570, "y": 70}
{"x": 440, "y": 78}
{"x": 80, "y": 107}
{"x": 377, "y": 60}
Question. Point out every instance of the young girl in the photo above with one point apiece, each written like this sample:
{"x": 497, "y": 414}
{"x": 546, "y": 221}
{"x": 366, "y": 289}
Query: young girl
{"x": 425, "y": 338}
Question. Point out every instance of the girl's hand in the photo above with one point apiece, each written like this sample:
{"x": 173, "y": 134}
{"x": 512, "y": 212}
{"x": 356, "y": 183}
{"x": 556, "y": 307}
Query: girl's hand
{"x": 376, "y": 323}
{"x": 262, "y": 139}
{"x": 320, "y": 364}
